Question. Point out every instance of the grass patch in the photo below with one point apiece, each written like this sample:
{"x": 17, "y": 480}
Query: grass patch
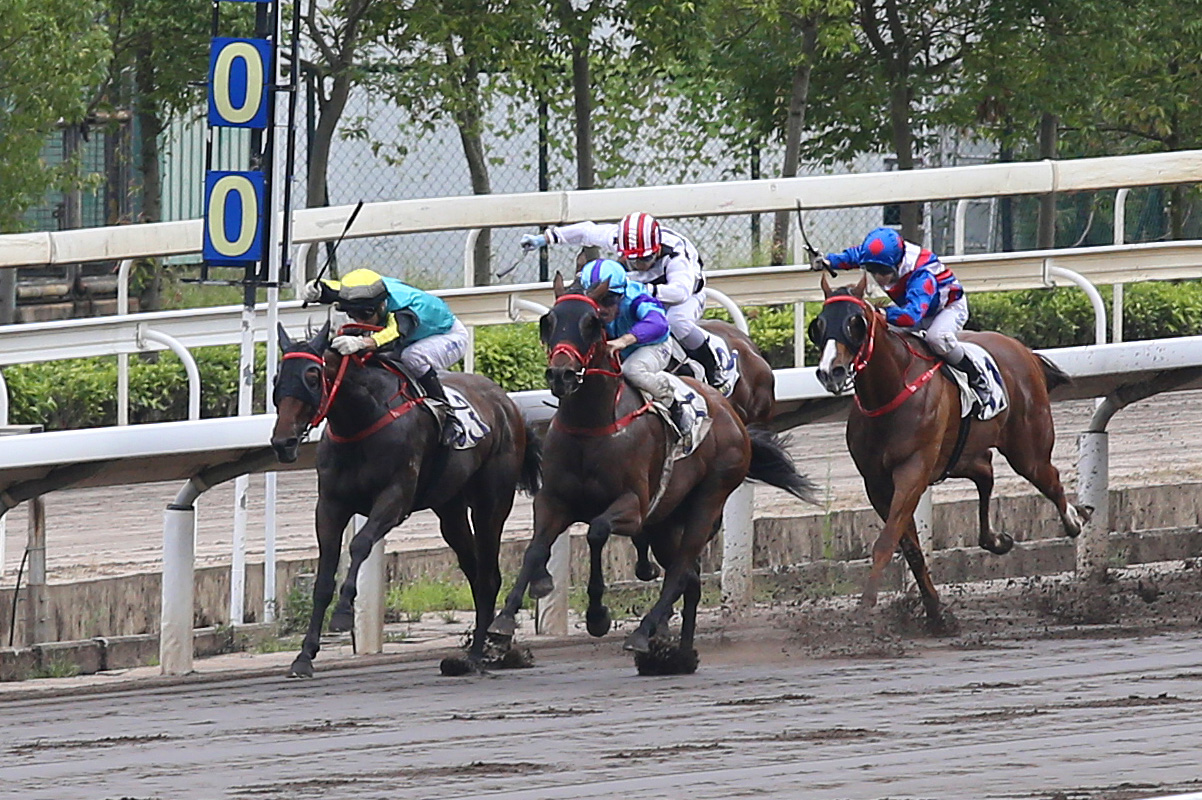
{"x": 57, "y": 668}
{"x": 407, "y": 602}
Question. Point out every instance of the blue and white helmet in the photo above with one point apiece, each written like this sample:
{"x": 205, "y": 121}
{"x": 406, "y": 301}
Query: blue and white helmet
{"x": 883, "y": 248}
{"x": 602, "y": 269}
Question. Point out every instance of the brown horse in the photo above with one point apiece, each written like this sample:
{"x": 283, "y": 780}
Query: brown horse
{"x": 380, "y": 457}
{"x": 607, "y": 462}
{"x": 754, "y": 396}
{"x": 904, "y": 429}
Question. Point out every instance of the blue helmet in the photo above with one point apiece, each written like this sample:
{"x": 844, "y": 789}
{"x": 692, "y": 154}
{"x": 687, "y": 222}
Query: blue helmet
{"x": 882, "y": 248}
{"x": 595, "y": 272}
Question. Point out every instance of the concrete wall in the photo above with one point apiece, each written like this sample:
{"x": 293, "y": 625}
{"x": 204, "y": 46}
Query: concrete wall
{"x": 129, "y": 605}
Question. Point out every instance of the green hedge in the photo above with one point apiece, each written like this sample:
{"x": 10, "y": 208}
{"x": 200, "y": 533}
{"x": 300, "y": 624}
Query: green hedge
{"x": 82, "y": 393}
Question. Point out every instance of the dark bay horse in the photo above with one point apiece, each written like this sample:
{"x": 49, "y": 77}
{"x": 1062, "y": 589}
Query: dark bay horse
{"x": 380, "y": 457}
{"x": 903, "y": 430}
{"x": 607, "y": 462}
{"x": 754, "y": 396}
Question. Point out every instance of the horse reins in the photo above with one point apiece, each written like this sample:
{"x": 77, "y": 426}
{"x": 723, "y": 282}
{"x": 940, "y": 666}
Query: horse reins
{"x": 585, "y": 370}
{"x": 329, "y": 390}
{"x": 864, "y": 354}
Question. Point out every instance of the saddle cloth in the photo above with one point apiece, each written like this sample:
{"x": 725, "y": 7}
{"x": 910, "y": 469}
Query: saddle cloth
{"x": 471, "y": 427}
{"x": 697, "y": 417}
{"x": 998, "y": 400}
{"x": 726, "y": 359}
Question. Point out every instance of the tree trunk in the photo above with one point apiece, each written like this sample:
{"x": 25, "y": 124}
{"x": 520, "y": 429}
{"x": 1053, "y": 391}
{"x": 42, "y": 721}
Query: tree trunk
{"x": 799, "y": 97}
{"x": 150, "y": 127}
{"x": 582, "y": 92}
{"x": 903, "y": 147}
{"x": 1046, "y": 235}
{"x": 317, "y": 195}
{"x": 468, "y": 119}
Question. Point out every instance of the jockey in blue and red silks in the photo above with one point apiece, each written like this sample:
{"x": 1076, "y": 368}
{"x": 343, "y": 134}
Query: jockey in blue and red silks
{"x": 925, "y": 293}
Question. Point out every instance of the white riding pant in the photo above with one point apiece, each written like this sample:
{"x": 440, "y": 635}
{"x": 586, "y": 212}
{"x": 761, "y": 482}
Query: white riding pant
{"x": 644, "y": 368}
{"x": 944, "y": 328}
{"x": 439, "y": 351}
{"x": 682, "y": 321}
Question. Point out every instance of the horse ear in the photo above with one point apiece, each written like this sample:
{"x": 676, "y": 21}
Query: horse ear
{"x": 599, "y": 291}
{"x": 544, "y": 328}
{"x": 826, "y": 286}
{"x": 321, "y": 341}
{"x": 285, "y": 342}
{"x": 558, "y": 285}
{"x": 860, "y": 287}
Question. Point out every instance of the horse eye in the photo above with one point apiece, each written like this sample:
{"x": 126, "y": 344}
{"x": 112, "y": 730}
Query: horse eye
{"x": 854, "y": 328}
{"x": 312, "y": 379}
{"x": 817, "y": 330}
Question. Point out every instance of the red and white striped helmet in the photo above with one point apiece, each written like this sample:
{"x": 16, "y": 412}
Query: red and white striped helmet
{"x": 638, "y": 236}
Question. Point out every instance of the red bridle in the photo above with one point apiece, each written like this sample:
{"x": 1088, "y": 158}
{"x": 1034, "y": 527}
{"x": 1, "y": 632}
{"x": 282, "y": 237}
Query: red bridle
{"x": 864, "y": 355}
{"x": 595, "y": 349}
{"x": 329, "y": 390}
{"x": 585, "y": 359}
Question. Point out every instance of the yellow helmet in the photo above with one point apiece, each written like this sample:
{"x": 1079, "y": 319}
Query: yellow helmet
{"x": 362, "y": 289}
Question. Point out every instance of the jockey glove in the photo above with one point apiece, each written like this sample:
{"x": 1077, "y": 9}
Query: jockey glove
{"x": 819, "y": 263}
{"x": 532, "y": 241}
{"x": 312, "y": 292}
{"x": 346, "y": 345}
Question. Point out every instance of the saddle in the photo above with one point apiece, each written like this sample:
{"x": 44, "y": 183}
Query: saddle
{"x": 471, "y": 427}
{"x": 726, "y": 358}
{"x": 997, "y": 402}
{"x": 698, "y": 420}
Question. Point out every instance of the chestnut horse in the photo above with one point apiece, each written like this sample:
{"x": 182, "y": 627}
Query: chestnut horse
{"x": 380, "y": 457}
{"x": 904, "y": 429}
{"x": 754, "y": 396}
{"x": 607, "y": 462}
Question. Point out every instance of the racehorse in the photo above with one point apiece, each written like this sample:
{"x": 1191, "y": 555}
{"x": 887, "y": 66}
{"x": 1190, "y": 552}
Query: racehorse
{"x": 904, "y": 429}
{"x": 608, "y": 462}
{"x": 380, "y": 457}
{"x": 754, "y": 395}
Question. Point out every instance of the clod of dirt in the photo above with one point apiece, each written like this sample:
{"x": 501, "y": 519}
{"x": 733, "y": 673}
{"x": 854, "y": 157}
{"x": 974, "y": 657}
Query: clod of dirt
{"x": 666, "y": 658}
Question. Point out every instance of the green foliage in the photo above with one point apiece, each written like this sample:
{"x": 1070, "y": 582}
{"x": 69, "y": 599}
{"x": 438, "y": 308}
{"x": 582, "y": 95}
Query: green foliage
{"x": 409, "y": 601}
{"x": 512, "y": 356}
{"x": 52, "y": 53}
{"x": 83, "y": 393}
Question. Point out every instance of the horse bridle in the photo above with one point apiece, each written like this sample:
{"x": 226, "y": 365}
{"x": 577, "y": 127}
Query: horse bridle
{"x": 589, "y": 355}
{"x": 864, "y": 354}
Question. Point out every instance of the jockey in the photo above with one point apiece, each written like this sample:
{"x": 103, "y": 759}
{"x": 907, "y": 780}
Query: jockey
{"x": 414, "y": 324}
{"x": 666, "y": 263}
{"x": 638, "y": 329}
{"x": 925, "y": 293}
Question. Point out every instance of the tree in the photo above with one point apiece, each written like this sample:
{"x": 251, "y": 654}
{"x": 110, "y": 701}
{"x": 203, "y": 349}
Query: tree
{"x": 52, "y": 54}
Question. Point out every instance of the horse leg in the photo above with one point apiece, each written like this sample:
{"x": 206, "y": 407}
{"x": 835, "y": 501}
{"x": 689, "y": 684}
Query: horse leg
{"x": 911, "y": 548}
{"x": 331, "y": 521}
{"x": 644, "y": 569}
{"x": 980, "y": 472}
{"x": 458, "y": 534}
{"x": 1032, "y": 459}
{"x": 389, "y": 508}
{"x": 551, "y": 518}
{"x": 688, "y": 612}
{"x": 909, "y": 482}
{"x": 622, "y": 517}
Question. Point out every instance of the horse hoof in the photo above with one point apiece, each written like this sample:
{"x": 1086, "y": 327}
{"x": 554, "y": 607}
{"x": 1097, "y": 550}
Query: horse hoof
{"x": 646, "y": 571}
{"x": 868, "y": 600}
{"x": 503, "y": 626}
{"x": 667, "y": 658}
{"x": 1002, "y": 543}
{"x": 541, "y": 587}
{"x": 598, "y": 621}
{"x": 302, "y": 667}
{"x": 341, "y": 621}
{"x": 457, "y": 666}
{"x": 637, "y": 642}
{"x": 943, "y": 624}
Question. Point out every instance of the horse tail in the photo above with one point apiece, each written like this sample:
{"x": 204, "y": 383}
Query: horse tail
{"x": 773, "y": 465}
{"x": 1053, "y": 376}
{"x": 531, "y": 476}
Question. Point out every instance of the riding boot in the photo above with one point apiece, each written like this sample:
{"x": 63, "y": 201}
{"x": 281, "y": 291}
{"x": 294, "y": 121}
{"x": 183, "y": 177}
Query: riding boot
{"x": 679, "y": 416}
{"x": 433, "y": 388}
{"x": 975, "y": 378}
{"x": 704, "y": 356}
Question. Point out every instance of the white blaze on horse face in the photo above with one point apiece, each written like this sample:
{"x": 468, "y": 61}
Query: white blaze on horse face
{"x": 830, "y": 349}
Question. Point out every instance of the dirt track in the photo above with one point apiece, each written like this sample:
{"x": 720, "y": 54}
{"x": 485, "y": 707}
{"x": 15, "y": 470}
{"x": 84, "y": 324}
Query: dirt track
{"x": 96, "y": 532}
{"x": 1114, "y": 717}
